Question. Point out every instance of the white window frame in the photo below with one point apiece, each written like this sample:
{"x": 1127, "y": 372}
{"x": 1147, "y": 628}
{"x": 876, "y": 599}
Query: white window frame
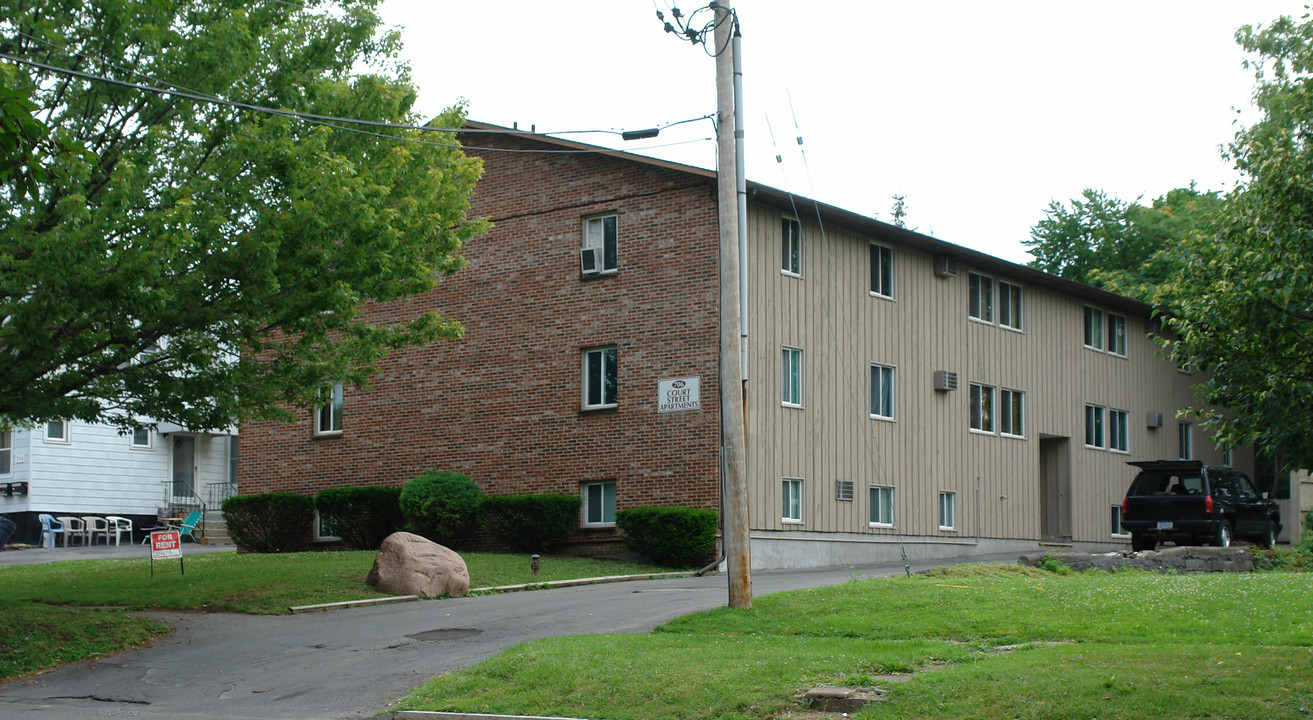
{"x": 595, "y": 235}
{"x": 1119, "y": 430}
{"x": 135, "y": 435}
{"x": 608, "y": 355}
{"x": 791, "y": 501}
{"x": 947, "y": 510}
{"x": 1228, "y": 455}
{"x": 980, "y": 415}
{"x": 607, "y": 497}
{"x": 1116, "y": 334}
{"x": 877, "y": 507}
{"x": 64, "y": 437}
{"x": 322, "y": 532}
{"x": 6, "y": 452}
{"x": 1010, "y": 305}
{"x": 792, "y": 246}
{"x": 880, "y": 263}
{"x": 328, "y": 416}
{"x": 1185, "y": 440}
{"x": 980, "y": 297}
{"x": 1096, "y": 423}
{"x": 1093, "y": 328}
{"x": 1115, "y": 528}
{"x": 883, "y": 378}
{"x": 791, "y": 377}
{"x": 1011, "y": 412}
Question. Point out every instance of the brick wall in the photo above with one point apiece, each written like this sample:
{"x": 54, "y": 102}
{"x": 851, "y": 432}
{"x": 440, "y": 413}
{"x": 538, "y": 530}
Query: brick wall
{"x": 503, "y": 403}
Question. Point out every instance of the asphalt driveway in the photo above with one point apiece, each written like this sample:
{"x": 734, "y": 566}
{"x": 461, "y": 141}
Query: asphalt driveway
{"x": 355, "y": 663}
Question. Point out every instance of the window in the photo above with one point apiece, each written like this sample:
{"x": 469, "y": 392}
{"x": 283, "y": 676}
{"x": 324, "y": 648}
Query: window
{"x": 141, "y": 438}
{"x": 1009, "y": 305}
{"x": 6, "y": 452}
{"x": 600, "y": 236}
{"x": 57, "y": 431}
{"x": 791, "y": 394}
{"x": 1119, "y": 431}
{"x": 328, "y": 417}
{"x": 982, "y": 408}
{"x": 1093, "y": 328}
{"x": 882, "y": 506}
{"x": 980, "y": 297}
{"x": 1227, "y": 456}
{"x": 1116, "y": 334}
{"x": 791, "y": 511}
{"x": 599, "y": 369}
{"x": 882, "y": 271}
{"x": 599, "y": 503}
{"x": 1117, "y": 530}
{"x": 882, "y": 392}
{"x": 791, "y": 246}
{"x": 1012, "y": 412}
{"x": 325, "y": 528}
{"x": 1183, "y": 431}
{"x": 947, "y": 511}
{"x": 1094, "y": 417}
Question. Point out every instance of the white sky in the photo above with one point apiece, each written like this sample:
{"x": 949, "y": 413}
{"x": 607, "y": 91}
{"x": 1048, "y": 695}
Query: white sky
{"x": 980, "y": 113}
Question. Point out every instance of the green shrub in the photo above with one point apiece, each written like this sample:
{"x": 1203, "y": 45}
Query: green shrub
{"x": 270, "y": 523}
{"x": 362, "y": 516}
{"x": 441, "y": 506}
{"x": 530, "y": 523}
{"x": 670, "y": 536}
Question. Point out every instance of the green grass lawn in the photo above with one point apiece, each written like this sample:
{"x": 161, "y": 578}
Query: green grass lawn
{"x": 45, "y": 620}
{"x": 980, "y": 642}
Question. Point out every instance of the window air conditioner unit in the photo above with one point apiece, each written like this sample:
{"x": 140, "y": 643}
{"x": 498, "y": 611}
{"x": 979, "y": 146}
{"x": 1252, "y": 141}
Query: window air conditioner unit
{"x": 945, "y": 380}
{"x": 1153, "y": 420}
{"x": 945, "y": 266}
{"x": 588, "y": 261}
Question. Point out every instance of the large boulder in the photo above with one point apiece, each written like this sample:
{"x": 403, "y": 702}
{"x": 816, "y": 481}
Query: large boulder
{"x": 408, "y": 564}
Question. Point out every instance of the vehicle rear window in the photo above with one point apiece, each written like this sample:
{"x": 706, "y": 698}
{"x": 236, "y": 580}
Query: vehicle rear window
{"x": 1166, "y": 484}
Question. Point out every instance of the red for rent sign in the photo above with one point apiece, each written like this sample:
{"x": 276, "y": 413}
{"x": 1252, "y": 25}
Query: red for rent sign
{"x": 165, "y": 545}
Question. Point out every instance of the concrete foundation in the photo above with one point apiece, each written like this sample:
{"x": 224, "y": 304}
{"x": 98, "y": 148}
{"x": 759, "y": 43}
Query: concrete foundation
{"x": 786, "y": 550}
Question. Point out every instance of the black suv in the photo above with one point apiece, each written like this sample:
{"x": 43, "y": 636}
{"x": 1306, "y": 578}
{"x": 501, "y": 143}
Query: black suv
{"x": 1190, "y": 503}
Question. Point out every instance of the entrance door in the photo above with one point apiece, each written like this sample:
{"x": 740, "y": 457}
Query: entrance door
{"x": 1054, "y": 488}
{"x": 184, "y": 468}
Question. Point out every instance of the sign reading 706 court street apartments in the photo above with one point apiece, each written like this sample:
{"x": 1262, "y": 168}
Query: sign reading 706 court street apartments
{"x": 679, "y": 395}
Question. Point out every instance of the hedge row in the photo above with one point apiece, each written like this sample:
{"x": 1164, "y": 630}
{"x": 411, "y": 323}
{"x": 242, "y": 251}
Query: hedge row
{"x": 447, "y": 508}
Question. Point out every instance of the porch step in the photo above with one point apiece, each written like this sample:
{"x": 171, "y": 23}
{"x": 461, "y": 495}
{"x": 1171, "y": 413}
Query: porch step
{"x": 215, "y": 532}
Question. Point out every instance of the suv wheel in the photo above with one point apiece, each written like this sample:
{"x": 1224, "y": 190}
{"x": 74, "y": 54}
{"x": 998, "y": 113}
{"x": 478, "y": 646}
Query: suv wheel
{"x": 1269, "y": 536}
{"x": 1140, "y": 543}
{"x": 1222, "y": 538}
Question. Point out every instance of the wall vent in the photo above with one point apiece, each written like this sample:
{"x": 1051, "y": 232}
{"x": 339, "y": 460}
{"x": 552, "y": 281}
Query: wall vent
{"x": 1153, "y": 420}
{"x": 945, "y": 266}
{"x": 843, "y": 490}
{"x": 945, "y": 380}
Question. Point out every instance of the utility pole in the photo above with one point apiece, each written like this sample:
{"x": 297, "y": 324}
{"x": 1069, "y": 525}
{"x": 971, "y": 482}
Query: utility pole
{"x": 731, "y": 201}
{"x": 729, "y": 134}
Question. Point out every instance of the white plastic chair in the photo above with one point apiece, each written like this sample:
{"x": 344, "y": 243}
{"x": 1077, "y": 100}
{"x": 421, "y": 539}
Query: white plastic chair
{"x": 96, "y": 526}
{"x": 117, "y": 525}
{"x": 73, "y": 528}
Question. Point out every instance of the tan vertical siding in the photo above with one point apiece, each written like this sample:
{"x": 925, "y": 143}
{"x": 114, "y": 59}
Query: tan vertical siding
{"x": 928, "y": 447}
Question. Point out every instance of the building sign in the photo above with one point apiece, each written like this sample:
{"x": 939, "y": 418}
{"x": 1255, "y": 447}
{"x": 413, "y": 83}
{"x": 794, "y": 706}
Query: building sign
{"x": 679, "y": 395}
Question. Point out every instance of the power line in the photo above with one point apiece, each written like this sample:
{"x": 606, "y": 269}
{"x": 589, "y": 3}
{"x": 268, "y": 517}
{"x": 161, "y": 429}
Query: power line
{"x": 340, "y": 123}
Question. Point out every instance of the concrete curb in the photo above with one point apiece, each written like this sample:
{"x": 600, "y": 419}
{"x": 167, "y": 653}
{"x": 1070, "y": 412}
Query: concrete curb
{"x": 325, "y": 607}
{"x": 434, "y": 715}
{"x": 496, "y": 589}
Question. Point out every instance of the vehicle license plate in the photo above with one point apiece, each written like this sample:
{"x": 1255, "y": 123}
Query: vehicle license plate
{"x": 1164, "y": 524}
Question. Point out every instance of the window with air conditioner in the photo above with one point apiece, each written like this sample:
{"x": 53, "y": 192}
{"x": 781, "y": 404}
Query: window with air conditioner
{"x": 599, "y": 254}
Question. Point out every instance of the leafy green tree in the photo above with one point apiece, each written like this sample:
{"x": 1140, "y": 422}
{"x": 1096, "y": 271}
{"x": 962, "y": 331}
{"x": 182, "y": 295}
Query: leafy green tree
{"x": 199, "y": 262}
{"x": 1123, "y": 247}
{"x": 1244, "y": 300}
